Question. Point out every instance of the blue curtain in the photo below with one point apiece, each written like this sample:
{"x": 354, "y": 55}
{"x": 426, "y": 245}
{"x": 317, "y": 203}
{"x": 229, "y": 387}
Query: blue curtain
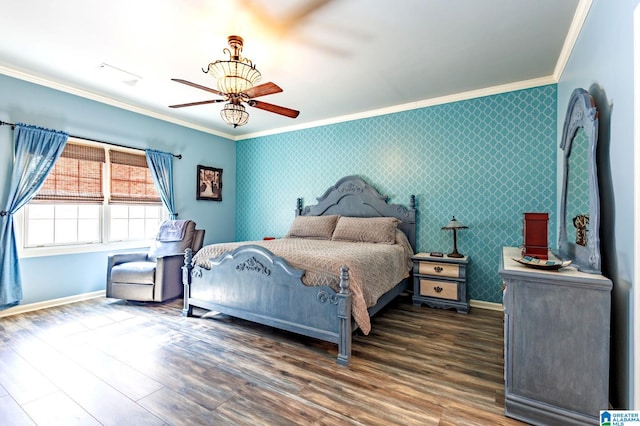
{"x": 35, "y": 152}
{"x": 161, "y": 166}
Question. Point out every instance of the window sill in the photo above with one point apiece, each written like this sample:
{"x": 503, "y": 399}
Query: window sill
{"x": 84, "y": 248}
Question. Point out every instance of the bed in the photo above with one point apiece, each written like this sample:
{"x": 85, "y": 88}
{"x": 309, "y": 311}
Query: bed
{"x": 342, "y": 261}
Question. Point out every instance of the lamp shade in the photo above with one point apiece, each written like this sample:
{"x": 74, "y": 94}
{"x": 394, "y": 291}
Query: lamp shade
{"x": 454, "y": 224}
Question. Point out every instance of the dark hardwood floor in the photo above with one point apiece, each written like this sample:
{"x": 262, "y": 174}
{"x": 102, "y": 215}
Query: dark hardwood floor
{"x": 105, "y": 361}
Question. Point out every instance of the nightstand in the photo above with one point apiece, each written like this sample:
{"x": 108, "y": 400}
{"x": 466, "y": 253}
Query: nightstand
{"x": 440, "y": 282}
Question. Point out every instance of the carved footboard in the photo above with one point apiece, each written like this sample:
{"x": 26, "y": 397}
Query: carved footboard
{"x": 253, "y": 284}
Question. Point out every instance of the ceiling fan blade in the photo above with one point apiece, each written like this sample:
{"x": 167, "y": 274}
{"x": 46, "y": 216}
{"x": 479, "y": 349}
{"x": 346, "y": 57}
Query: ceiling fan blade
{"x": 197, "y": 86}
{"x": 262, "y": 90}
{"x": 288, "y": 112}
{"x": 284, "y": 24}
{"x": 305, "y": 11}
{"x": 212, "y": 101}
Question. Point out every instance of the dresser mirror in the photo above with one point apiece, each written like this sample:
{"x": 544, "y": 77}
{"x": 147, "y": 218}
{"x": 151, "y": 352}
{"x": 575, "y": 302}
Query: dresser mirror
{"x": 579, "y": 234}
{"x": 578, "y": 196}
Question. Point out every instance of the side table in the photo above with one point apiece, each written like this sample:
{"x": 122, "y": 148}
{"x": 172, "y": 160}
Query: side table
{"x": 440, "y": 282}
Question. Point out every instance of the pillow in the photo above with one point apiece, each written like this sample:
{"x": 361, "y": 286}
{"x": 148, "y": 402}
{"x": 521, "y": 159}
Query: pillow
{"x": 366, "y": 229}
{"x": 314, "y": 227}
{"x": 161, "y": 248}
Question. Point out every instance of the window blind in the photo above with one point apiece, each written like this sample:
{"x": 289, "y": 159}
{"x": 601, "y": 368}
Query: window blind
{"x": 76, "y": 177}
{"x": 131, "y": 180}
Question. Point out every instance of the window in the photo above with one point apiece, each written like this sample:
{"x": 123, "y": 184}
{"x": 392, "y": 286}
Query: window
{"x": 95, "y": 194}
{"x": 134, "y": 222}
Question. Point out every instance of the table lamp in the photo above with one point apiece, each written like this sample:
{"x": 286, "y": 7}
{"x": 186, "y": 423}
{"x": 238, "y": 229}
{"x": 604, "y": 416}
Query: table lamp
{"x": 455, "y": 225}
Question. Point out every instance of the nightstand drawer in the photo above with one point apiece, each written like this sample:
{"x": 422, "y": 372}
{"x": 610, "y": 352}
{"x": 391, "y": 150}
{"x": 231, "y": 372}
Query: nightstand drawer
{"x": 439, "y": 289}
{"x": 450, "y": 270}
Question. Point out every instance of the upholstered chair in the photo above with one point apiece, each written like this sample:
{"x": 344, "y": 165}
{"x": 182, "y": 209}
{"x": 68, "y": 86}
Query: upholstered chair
{"x": 156, "y": 275}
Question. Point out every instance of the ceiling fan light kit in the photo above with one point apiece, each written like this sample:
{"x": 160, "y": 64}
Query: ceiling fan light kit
{"x": 234, "y": 114}
{"x": 236, "y": 79}
{"x": 236, "y": 74}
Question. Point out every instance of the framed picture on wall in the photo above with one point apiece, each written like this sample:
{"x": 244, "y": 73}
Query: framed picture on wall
{"x": 209, "y": 184}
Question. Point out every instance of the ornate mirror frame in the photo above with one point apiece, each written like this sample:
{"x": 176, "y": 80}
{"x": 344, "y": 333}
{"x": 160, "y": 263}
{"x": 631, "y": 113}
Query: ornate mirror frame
{"x": 581, "y": 113}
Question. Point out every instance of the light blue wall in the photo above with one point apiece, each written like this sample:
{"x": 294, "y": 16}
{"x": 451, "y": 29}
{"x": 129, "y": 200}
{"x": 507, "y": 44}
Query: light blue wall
{"x": 53, "y": 277}
{"x": 486, "y": 161}
{"x": 602, "y": 62}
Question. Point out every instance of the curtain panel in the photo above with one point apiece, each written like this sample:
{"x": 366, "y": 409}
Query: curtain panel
{"x": 36, "y": 150}
{"x": 161, "y": 168}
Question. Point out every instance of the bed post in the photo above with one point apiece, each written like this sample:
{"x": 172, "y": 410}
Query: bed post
{"x": 344, "y": 315}
{"x": 298, "y": 206}
{"x": 411, "y": 221}
{"x": 186, "y": 280}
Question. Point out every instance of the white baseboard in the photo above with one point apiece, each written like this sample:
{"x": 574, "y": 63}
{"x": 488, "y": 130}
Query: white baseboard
{"x": 20, "y": 309}
{"x": 486, "y": 305}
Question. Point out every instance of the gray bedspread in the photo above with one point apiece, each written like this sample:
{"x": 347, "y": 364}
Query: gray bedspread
{"x": 373, "y": 268}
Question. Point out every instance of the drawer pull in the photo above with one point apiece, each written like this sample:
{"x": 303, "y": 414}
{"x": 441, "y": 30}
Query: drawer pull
{"x": 437, "y": 289}
{"x": 438, "y": 269}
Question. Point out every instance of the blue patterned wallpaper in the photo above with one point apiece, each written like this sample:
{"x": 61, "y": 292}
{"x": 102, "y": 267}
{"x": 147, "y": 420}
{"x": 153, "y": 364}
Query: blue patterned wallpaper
{"x": 485, "y": 160}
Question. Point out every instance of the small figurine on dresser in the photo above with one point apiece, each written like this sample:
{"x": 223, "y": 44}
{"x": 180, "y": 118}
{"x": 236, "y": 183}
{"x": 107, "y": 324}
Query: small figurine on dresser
{"x": 580, "y": 222}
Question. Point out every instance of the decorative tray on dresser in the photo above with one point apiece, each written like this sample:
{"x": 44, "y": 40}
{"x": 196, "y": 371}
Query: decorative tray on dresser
{"x": 556, "y": 339}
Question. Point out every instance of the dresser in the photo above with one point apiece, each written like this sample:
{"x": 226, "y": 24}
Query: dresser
{"x": 440, "y": 282}
{"x": 556, "y": 339}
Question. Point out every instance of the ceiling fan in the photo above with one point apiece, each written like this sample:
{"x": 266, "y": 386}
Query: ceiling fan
{"x": 236, "y": 79}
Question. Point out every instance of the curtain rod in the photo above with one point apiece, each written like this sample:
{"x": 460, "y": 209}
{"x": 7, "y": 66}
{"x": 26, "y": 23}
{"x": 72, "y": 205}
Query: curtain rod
{"x": 4, "y": 123}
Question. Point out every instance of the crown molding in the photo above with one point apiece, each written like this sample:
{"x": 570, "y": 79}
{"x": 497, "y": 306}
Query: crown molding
{"x": 510, "y": 87}
{"x": 472, "y": 94}
{"x": 572, "y": 36}
{"x": 52, "y": 84}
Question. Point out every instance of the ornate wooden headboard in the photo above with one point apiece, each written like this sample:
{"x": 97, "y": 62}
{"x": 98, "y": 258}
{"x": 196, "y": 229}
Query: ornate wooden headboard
{"x": 352, "y": 196}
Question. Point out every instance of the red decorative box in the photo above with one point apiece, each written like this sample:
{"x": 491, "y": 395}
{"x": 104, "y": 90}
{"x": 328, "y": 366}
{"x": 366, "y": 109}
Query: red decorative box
{"x": 535, "y": 235}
